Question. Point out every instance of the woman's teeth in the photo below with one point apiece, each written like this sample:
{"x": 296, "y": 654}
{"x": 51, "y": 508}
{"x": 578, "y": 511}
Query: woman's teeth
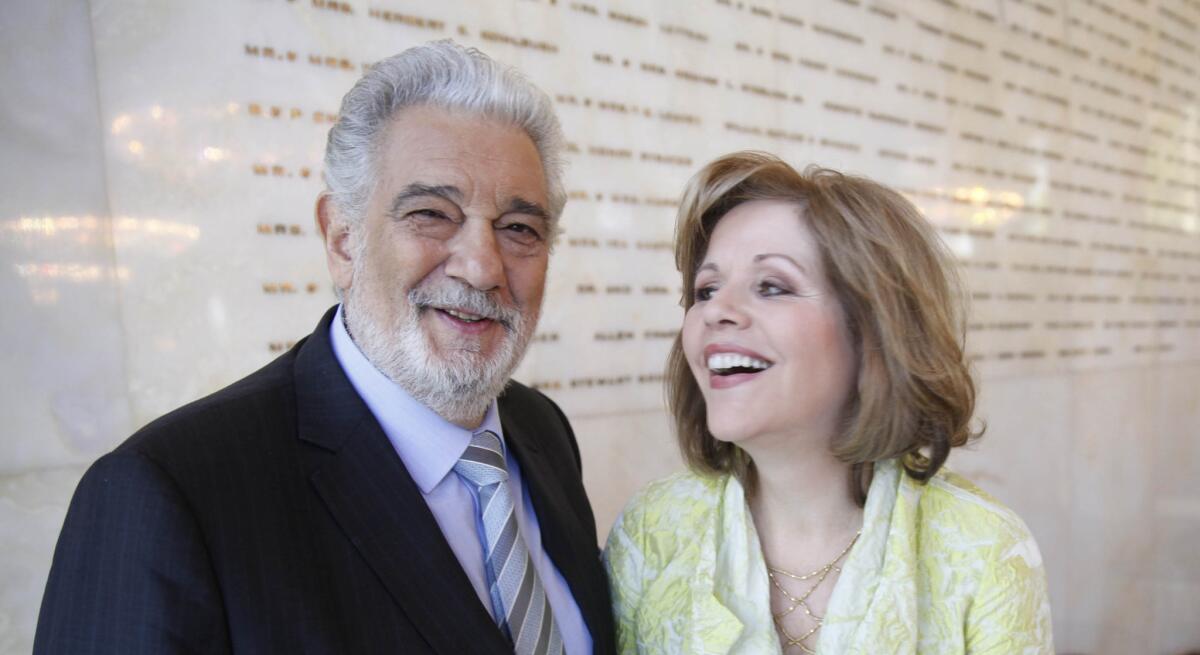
{"x": 722, "y": 363}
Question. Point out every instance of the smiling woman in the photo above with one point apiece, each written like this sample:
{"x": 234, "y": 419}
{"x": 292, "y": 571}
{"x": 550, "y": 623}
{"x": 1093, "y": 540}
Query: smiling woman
{"x": 818, "y": 386}
{"x": 869, "y": 255}
{"x": 762, "y": 298}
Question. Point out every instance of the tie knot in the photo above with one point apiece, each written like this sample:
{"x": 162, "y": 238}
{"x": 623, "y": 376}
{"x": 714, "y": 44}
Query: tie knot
{"x": 483, "y": 462}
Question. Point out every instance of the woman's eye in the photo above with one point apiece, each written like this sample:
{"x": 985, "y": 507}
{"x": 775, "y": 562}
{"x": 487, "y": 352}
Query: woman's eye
{"x": 768, "y": 288}
{"x": 705, "y": 293}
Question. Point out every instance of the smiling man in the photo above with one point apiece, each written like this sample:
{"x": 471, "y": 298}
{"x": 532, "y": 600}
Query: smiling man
{"x": 383, "y": 487}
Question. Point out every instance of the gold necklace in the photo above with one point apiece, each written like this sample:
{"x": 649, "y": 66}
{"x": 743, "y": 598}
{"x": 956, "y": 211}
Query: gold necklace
{"x": 801, "y": 601}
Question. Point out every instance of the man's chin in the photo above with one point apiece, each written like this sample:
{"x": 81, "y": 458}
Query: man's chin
{"x": 482, "y": 349}
{"x": 464, "y": 352}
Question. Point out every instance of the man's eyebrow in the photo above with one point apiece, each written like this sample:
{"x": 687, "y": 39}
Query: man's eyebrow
{"x": 418, "y": 190}
{"x": 768, "y": 255}
{"x": 519, "y": 205}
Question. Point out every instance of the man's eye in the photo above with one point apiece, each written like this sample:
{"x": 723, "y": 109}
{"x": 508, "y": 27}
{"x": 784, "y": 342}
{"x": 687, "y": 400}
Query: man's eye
{"x": 521, "y": 228}
{"x": 427, "y": 214}
{"x": 521, "y": 234}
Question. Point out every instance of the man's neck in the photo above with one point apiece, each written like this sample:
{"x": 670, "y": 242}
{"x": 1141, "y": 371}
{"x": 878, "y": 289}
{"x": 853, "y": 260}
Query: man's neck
{"x": 466, "y": 422}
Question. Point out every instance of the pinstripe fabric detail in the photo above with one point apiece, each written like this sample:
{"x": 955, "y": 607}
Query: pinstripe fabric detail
{"x": 519, "y": 602}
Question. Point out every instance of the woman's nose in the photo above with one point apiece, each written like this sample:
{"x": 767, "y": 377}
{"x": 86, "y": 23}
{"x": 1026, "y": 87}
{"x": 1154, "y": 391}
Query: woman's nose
{"x": 726, "y": 308}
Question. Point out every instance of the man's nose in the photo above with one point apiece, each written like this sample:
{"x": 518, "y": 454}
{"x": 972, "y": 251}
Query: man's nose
{"x": 475, "y": 256}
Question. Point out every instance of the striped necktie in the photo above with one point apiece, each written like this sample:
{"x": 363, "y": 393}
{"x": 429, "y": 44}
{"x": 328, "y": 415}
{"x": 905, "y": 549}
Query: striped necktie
{"x": 518, "y": 599}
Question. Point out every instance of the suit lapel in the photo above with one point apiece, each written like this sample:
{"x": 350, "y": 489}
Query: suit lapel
{"x": 374, "y": 500}
{"x": 570, "y": 543}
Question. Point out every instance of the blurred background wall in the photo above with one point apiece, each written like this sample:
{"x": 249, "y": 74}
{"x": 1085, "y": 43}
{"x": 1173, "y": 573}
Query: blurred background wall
{"x": 160, "y": 161}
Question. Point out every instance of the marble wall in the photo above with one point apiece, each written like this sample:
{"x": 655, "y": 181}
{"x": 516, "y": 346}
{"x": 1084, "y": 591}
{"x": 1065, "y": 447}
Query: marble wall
{"x": 161, "y": 160}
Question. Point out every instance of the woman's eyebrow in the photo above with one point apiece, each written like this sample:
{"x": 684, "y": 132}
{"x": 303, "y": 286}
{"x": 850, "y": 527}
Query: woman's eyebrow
{"x": 768, "y": 255}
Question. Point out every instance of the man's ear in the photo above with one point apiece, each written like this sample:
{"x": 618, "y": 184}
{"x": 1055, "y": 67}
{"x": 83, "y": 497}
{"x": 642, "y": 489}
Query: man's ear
{"x": 335, "y": 232}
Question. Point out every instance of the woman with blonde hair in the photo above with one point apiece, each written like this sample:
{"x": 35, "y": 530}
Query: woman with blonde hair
{"x": 817, "y": 386}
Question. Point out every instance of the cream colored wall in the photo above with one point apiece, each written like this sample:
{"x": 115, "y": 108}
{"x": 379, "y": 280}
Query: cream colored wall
{"x": 160, "y": 163}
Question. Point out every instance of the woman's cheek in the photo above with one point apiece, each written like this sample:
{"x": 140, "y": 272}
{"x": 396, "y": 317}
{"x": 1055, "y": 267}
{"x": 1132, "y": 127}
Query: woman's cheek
{"x": 691, "y": 336}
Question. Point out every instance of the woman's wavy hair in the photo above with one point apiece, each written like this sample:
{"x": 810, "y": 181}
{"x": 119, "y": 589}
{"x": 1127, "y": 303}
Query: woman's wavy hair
{"x": 902, "y": 298}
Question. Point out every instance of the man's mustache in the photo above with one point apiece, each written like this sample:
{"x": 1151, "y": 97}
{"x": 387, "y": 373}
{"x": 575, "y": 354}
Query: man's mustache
{"x": 455, "y": 295}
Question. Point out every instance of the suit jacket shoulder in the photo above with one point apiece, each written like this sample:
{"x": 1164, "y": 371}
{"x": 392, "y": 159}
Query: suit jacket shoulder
{"x": 274, "y": 516}
{"x": 231, "y": 420}
{"x": 536, "y": 412}
{"x": 267, "y": 505}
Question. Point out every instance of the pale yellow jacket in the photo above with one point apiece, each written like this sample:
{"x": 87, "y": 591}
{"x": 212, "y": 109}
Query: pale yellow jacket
{"x": 939, "y": 568}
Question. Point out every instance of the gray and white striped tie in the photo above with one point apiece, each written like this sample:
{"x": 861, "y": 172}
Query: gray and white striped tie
{"x": 518, "y": 599}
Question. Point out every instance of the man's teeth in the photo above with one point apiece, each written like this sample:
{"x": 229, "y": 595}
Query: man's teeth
{"x": 726, "y": 361}
{"x": 463, "y": 316}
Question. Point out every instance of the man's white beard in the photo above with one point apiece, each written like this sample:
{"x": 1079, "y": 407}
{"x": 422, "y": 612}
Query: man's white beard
{"x": 461, "y": 382}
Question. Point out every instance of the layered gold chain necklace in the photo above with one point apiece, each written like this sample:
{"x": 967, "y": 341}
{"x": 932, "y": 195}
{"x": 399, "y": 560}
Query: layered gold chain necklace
{"x": 801, "y": 602}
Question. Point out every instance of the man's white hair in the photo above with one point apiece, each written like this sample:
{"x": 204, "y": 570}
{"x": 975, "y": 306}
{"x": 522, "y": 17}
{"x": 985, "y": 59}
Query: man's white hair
{"x": 439, "y": 74}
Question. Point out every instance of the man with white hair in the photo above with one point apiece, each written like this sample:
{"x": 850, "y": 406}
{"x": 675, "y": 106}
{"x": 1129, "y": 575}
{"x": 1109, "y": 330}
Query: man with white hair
{"x": 383, "y": 487}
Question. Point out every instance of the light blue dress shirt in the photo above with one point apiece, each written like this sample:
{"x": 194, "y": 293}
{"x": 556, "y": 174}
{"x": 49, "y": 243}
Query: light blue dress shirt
{"x": 429, "y": 446}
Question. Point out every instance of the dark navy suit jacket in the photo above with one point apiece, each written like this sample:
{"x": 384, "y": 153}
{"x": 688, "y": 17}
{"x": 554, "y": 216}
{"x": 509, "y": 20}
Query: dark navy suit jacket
{"x": 274, "y": 517}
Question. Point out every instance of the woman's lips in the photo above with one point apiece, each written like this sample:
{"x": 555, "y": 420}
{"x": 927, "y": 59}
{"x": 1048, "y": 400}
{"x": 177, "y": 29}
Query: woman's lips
{"x": 716, "y": 381}
{"x": 716, "y": 348}
{"x": 743, "y": 358}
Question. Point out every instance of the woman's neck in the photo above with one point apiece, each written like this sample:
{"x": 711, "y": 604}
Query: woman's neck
{"x": 803, "y": 494}
{"x": 807, "y": 522}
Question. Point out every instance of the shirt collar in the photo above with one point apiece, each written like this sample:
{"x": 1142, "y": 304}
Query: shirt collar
{"x": 428, "y": 444}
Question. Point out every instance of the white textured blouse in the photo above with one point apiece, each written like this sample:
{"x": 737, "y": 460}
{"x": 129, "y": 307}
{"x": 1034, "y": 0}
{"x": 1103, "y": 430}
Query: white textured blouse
{"x": 940, "y": 567}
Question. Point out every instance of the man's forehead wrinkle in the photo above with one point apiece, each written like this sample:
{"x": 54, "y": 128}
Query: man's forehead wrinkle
{"x": 493, "y": 173}
{"x": 456, "y": 152}
{"x": 503, "y": 192}
{"x": 419, "y": 188}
